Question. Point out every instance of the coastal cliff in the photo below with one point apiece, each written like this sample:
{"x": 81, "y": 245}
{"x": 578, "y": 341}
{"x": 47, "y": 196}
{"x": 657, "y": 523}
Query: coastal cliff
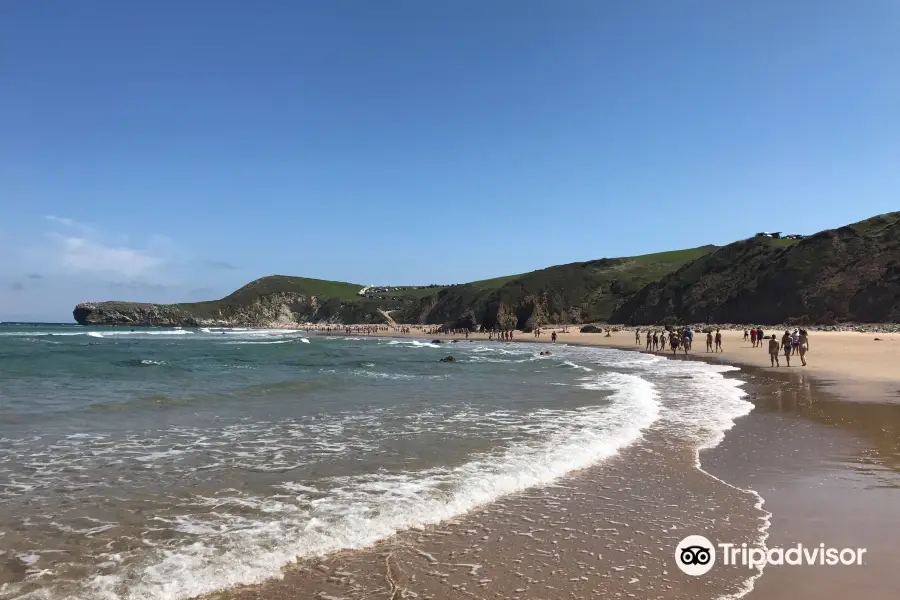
{"x": 267, "y": 302}
{"x": 847, "y": 274}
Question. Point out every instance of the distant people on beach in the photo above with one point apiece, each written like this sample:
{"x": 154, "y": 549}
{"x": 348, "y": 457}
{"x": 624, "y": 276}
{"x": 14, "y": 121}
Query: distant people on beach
{"x": 719, "y": 347}
{"x": 709, "y": 341}
{"x": 674, "y": 342}
{"x": 753, "y": 337}
{"x": 553, "y": 337}
{"x": 746, "y": 335}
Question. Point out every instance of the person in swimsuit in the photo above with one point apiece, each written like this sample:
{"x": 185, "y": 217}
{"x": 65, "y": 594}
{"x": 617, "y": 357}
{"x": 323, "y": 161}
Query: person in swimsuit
{"x": 637, "y": 337}
{"x": 795, "y": 342}
{"x": 773, "y": 351}
{"x": 655, "y": 341}
{"x": 786, "y": 347}
{"x": 709, "y": 341}
{"x": 553, "y": 337}
{"x": 753, "y": 337}
{"x": 649, "y": 341}
{"x": 719, "y": 341}
{"x": 746, "y": 335}
{"x": 760, "y": 336}
{"x": 804, "y": 345}
{"x": 674, "y": 342}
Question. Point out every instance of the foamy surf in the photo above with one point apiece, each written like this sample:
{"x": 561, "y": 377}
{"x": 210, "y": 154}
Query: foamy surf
{"x": 239, "y": 494}
{"x": 359, "y": 511}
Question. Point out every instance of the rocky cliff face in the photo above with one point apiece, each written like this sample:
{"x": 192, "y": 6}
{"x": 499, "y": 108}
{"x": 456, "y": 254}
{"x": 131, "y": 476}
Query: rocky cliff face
{"x": 847, "y": 274}
{"x": 270, "y": 310}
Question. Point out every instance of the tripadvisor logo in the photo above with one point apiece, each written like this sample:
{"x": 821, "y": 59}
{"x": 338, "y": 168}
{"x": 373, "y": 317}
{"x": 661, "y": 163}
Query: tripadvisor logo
{"x": 695, "y": 555}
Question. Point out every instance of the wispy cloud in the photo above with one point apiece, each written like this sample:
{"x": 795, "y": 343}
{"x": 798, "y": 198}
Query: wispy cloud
{"x": 35, "y": 276}
{"x": 61, "y": 220}
{"x": 81, "y": 248}
{"x": 16, "y": 286}
{"x": 219, "y": 264}
{"x": 89, "y": 255}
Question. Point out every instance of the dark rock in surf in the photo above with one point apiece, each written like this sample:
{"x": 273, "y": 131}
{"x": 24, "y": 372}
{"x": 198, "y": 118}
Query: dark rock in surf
{"x": 448, "y": 359}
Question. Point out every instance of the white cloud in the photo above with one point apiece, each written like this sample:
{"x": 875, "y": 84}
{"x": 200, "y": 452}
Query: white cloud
{"x": 89, "y": 255}
{"x": 61, "y": 220}
{"x": 81, "y": 248}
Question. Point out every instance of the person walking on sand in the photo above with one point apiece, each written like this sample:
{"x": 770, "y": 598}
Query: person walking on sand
{"x": 655, "y": 341}
{"x": 746, "y": 335}
{"x": 709, "y": 341}
{"x": 673, "y": 342}
{"x": 753, "y": 337}
{"x": 637, "y": 337}
{"x": 786, "y": 347}
{"x": 760, "y": 335}
{"x": 773, "y": 351}
{"x": 649, "y": 341}
{"x": 719, "y": 347}
{"x": 795, "y": 342}
{"x": 553, "y": 337}
{"x": 804, "y": 345}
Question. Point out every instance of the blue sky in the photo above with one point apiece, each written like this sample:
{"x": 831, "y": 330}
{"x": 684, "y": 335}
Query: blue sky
{"x": 171, "y": 151}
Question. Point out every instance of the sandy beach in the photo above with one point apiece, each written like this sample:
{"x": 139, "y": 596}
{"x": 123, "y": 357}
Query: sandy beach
{"x": 822, "y": 447}
{"x": 860, "y": 366}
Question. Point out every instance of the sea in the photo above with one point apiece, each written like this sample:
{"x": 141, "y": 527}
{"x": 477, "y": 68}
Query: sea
{"x": 162, "y": 464}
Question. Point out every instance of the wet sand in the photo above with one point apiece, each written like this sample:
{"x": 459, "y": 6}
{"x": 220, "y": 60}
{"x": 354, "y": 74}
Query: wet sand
{"x": 829, "y": 470}
{"x": 607, "y": 531}
{"x": 828, "y": 466}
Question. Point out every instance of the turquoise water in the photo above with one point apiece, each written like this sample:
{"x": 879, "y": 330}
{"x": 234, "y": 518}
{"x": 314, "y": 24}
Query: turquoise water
{"x": 163, "y": 463}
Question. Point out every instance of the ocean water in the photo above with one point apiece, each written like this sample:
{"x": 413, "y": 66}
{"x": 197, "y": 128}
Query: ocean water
{"x": 157, "y": 464}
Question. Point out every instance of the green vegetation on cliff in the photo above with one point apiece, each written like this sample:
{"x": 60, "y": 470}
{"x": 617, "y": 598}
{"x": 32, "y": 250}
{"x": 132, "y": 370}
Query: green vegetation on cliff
{"x": 572, "y": 293}
{"x": 849, "y": 273}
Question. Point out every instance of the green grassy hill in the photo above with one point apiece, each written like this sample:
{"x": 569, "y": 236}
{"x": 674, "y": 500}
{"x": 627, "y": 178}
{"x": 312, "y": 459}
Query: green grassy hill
{"x": 572, "y": 293}
{"x": 849, "y": 273}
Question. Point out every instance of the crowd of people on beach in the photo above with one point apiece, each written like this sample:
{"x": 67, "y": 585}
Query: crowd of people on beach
{"x": 656, "y": 340}
{"x": 666, "y": 339}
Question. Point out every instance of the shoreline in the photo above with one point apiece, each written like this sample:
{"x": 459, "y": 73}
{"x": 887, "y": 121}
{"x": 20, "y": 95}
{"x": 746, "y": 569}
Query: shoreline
{"x": 856, "y": 366}
{"x": 734, "y": 462}
{"x": 445, "y": 560}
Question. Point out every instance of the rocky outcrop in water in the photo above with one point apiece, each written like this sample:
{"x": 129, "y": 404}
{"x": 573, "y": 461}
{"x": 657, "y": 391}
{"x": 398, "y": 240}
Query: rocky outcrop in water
{"x": 278, "y": 309}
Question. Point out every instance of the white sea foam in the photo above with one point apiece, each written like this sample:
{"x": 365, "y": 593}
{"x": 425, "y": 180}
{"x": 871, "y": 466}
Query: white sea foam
{"x": 250, "y": 536}
{"x": 574, "y": 366}
{"x": 358, "y": 511}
